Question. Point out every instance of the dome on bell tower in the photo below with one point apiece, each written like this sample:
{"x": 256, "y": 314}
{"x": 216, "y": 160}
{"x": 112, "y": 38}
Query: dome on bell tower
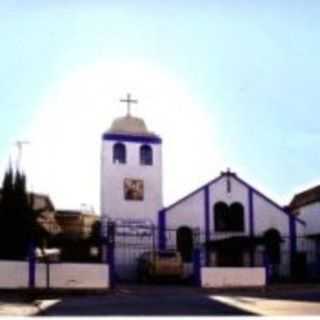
{"x": 129, "y": 125}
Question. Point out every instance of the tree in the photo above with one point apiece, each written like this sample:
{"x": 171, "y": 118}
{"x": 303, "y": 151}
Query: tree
{"x": 7, "y": 199}
{"x": 18, "y": 219}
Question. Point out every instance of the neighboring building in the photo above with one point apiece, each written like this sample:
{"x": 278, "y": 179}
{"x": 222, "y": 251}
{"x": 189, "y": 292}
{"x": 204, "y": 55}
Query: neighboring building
{"x": 44, "y": 208}
{"x": 76, "y": 224}
{"x": 306, "y": 205}
{"x": 46, "y": 212}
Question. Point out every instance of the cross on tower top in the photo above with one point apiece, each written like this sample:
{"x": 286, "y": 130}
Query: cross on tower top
{"x": 128, "y": 100}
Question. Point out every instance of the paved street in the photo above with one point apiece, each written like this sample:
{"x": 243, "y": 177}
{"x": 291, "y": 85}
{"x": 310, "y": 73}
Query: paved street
{"x": 157, "y": 300}
{"x": 144, "y": 301}
{"x": 166, "y": 300}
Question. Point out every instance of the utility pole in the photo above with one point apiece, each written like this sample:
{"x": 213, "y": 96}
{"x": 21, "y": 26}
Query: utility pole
{"x": 20, "y": 144}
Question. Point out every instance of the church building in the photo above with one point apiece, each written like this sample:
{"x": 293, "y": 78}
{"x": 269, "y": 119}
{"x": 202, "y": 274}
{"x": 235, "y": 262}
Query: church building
{"x": 232, "y": 222}
{"x": 237, "y": 225}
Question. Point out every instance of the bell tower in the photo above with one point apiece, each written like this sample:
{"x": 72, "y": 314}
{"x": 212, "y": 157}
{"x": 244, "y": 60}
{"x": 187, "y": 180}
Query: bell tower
{"x": 131, "y": 170}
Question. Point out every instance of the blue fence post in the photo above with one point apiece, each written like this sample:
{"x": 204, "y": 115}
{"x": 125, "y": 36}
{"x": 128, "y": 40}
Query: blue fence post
{"x": 110, "y": 261}
{"x": 32, "y": 265}
{"x": 268, "y": 268}
{"x": 197, "y": 267}
{"x": 110, "y": 240}
{"x": 162, "y": 230}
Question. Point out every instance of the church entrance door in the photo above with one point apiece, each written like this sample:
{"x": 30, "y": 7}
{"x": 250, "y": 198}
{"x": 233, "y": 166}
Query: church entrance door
{"x": 185, "y": 243}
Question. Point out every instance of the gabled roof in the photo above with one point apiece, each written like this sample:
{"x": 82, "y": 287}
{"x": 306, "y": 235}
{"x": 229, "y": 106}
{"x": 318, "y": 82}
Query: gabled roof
{"x": 69, "y": 213}
{"x": 247, "y": 185}
{"x": 38, "y": 201}
{"x": 305, "y": 197}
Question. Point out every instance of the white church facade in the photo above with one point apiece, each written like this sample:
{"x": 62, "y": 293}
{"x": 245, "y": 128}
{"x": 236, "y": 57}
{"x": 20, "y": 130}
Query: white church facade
{"x": 232, "y": 222}
{"x": 237, "y": 224}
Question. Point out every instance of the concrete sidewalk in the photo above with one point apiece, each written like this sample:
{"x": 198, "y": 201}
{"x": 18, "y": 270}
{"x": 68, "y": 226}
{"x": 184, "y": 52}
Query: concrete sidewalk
{"x": 8, "y": 308}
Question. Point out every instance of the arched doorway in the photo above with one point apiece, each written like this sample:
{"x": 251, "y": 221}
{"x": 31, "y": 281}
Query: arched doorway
{"x": 185, "y": 243}
{"x": 272, "y": 240}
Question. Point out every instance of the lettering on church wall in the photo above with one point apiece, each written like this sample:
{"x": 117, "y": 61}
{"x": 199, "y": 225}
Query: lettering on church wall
{"x": 133, "y": 189}
{"x": 134, "y": 227}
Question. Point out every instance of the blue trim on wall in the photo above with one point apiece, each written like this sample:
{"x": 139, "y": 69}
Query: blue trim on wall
{"x": 251, "y": 222}
{"x": 292, "y": 235}
{"x": 207, "y": 217}
{"x": 32, "y": 265}
{"x": 197, "y": 267}
{"x": 228, "y": 183}
{"x": 111, "y": 262}
{"x": 194, "y": 192}
{"x": 251, "y": 212}
{"x": 293, "y": 240}
{"x": 131, "y": 138}
{"x": 162, "y": 229}
{"x": 268, "y": 199}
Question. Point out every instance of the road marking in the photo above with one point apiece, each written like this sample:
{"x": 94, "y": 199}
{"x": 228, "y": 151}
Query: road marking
{"x": 270, "y": 307}
{"x": 45, "y": 304}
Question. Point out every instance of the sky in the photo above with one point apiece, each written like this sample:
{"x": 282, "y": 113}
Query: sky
{"x": 224, "y": 83}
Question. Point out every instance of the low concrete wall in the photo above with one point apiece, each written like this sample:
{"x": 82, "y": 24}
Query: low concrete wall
{"x": 14, "y": 274}
{"x": 232, "y": 277}
{"x": 73, "y": 275}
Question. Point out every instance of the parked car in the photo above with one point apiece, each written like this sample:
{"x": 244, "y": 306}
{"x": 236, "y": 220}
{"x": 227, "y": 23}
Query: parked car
{"x": 162, "y": 263}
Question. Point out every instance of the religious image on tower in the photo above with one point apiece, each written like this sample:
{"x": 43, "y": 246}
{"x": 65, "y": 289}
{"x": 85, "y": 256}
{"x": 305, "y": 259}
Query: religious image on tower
{"x": 133, "y": 189}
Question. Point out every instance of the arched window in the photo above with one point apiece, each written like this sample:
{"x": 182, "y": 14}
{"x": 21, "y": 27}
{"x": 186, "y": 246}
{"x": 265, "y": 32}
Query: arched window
{"x": 146, "y": 156}
{"x": 221, "y": 216}
{"x": 236, "y": 217}
{"x": 185, "y": 243}
{"x": 272, "y": 240}
{"x": 119, "y": 153}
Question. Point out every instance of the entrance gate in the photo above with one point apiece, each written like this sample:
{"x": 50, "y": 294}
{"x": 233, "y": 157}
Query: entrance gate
{"x": 131, "y": 238}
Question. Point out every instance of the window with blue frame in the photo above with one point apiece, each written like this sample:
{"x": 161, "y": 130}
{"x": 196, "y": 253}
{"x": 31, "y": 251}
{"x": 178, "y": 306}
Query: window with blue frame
{"x": 119, "y": 153}
{"x": 146, "y": 155}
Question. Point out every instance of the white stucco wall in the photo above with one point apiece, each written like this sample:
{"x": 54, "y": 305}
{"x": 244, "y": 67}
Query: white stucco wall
{"x": 232, "y": 277}
{"x": 113, "y": 203}
{"x": 311, "y": 215}
{"x": 301, "y": 229}
{"x": 268, "y": 216}
{"x": 188, "y": 213}
{"x": 74, "y": 275}
{"x": 14, "y": 274}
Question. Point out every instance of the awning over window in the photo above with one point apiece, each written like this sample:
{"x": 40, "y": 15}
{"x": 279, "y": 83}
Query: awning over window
{"x": 234, "y": 243}
{"x": 314, "y": 236}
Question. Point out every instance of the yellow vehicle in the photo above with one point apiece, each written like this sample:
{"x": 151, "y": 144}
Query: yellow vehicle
{"x": 162, "y": 263}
